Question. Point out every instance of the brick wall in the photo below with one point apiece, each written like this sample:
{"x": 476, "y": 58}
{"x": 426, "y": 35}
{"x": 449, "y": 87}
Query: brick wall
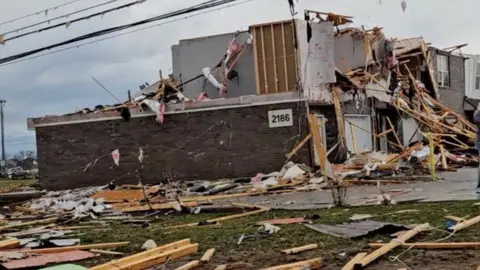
{"x": 214, "y": 144}
{"x": 453, "y": 95}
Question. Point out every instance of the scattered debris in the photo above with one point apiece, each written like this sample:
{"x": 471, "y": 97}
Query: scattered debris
{"x": 149, "y": 244}
{"x": 309, "y": 264}
{"x": 357, "y": 229}
{"x": 207, "y": 256}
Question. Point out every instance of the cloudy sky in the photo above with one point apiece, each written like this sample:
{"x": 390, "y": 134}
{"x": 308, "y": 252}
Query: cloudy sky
{"x": 62, "y": 82}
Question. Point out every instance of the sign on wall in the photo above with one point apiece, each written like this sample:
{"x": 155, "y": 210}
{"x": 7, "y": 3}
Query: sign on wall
{"x": 280, "y": 118}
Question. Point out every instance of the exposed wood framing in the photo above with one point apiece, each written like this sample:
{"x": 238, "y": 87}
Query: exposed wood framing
{"x": 275, "y": 57}
{"x": 298, "y": 146}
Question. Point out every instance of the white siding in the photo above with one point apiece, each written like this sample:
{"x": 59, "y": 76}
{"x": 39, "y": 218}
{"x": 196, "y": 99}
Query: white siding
{"x": 470, "y": 76}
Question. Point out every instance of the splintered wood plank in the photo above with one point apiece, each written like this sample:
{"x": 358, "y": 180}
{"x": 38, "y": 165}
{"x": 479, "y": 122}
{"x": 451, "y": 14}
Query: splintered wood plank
{"x": 81, "y": 247}
{"x": 189, "y": 265}
{"x": 311, "y": 264}
{"x": 299, "y": 249}
{"x": 207, "y": 256}
{"x": 354, "y": 260}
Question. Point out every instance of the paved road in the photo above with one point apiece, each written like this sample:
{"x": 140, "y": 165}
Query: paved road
{"x": 454, "y": 186}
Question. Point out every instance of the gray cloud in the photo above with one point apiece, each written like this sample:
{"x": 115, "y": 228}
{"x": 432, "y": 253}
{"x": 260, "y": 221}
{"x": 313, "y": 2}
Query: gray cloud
{"x": 61, "y": 82}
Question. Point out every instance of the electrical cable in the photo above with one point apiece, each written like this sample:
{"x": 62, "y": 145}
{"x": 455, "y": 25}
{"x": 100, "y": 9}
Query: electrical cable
{"x": 68, "y": 23}
{"x": 38, "y": 12}
{"x": 125, "y": 33}
{"x": 64, "y": 16}
{"x": 202, "y": 6}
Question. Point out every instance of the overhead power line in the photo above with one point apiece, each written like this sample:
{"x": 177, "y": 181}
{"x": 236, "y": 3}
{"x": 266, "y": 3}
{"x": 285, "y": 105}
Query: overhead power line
{"x": 123, "y": 34}
{"x": 64, "y": 16}
{"x": 39, "y": 12}
{"x": 202, "y": 6}
{"x": 68, "y": 23}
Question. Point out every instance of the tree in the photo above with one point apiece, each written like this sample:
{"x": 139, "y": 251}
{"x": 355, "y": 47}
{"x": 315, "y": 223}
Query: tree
{"x": 24, "y": 154}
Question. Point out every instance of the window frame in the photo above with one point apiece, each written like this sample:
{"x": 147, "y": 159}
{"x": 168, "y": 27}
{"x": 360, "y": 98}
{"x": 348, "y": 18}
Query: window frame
{"x": 443, "y": 68}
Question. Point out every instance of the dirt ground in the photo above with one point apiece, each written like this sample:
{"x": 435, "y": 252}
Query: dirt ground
{"x": 262, "y": 252}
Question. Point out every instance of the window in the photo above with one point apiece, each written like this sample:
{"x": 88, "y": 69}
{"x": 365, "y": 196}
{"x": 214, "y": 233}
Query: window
{"x": 443, "y": 77}
{"x": 477, "y": 77}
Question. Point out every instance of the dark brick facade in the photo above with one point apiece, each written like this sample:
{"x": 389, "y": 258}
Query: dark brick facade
{"x": 213, "y": 144}
{"x": 453, "y": 95}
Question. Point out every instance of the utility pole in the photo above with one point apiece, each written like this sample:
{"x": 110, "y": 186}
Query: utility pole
{"x": 3, "y": 161}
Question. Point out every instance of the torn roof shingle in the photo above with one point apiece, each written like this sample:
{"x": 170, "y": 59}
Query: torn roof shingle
{"x": 403, "y": 46}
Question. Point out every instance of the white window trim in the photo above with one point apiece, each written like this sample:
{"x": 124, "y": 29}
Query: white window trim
{"x": 442, "y": 68}
{"x": 477, "y": 75}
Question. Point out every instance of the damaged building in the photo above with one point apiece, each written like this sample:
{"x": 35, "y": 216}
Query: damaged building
{"x": 236, "y": 105}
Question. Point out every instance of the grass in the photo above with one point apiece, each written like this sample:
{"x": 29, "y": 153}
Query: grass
{"x": 265, "y": 251}
{"x": 9, "y": 184}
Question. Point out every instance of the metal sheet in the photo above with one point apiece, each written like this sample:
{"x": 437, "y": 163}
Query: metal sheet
{"x": 357, "y": 229}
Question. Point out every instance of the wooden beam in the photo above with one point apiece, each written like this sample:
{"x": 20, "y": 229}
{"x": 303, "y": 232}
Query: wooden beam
{"x": 432, "y": 245}
{"x": 274, "y": 59}
{"x": 298, "y": 146}
{"x": 285, "y": 66}
{"x": 35, "y": 222}
{"x": 255, "y": 60}
{"x": 312, "y": 264}
{"x": 317, "y": 139}
{"x": 81, "y": 247}
{"x": 221, "y": 267}
{"x": 207, "y": 256}
{"x": 9, "y": 244}
{"x": 265, "y": 76}
{"x": 136, "y": 261}
{"x": 189, "y": 265}
{"x": 394, "y": 132}
{"x": 393, "y": 244}
{"x": 465, "y": 224}
{"x": 354, "y": 260}
{"x": 299, "y": 249}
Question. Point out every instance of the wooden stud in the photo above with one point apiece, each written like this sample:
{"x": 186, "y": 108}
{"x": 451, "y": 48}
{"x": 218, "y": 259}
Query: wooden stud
{"x": 317, "y": 139}
{"x": 264, "y": 62}
{"x": 81, "y": 247}
{"x": 255, "y": 59}
{"x": 9, "y": 244}
{"x": 465, "y": 224}
{"x": 136, "y": 261}
{"x": 298, "y": 146}
{"x": 207, "y": 256}
{"x": 35, "y": 222}
{"x": 189, "y": 265}
{"x": 444, "y": 158}
{"x": 107, "y": 252}
{"x": 299, "y": 249}
{"x": 221, "y": 267}
{"x": 285, "y": 66}
{"x": 354, "y": 139}
{"x": 393, "y": 244}
{"x": 354, "y": 260}
{"x": 274, "y": 58}
{"x": 395, "y": 133}
{"x": 312, "y": 264}
{"x": 456, "y": 219}
{"x": 432, "y": 245}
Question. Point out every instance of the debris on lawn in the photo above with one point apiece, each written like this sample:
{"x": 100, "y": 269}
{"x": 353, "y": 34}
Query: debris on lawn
{"x": 308, "y": 264}
{"x": 357, "y": 229}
